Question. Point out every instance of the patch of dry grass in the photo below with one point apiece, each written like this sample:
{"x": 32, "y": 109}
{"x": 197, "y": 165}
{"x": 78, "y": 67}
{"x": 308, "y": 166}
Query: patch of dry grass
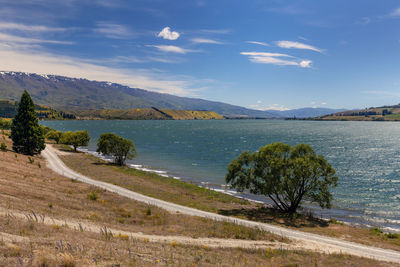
{"x": 65, "y": 247}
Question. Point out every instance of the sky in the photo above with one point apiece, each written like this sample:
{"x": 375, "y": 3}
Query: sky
{"x": 258, "y": 54}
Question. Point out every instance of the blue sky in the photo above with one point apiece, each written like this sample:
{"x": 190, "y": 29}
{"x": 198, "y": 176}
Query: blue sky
{"x": 258, "y": 54}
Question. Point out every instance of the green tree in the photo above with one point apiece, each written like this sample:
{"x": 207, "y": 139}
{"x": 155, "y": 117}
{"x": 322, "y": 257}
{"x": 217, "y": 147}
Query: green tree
{"x": 116, "y": 146}
{"x": 285, "y": 174}
{"x": 26, "y": 133}
{"x": 75, "y": 139}
{"x": 54, "y": 135}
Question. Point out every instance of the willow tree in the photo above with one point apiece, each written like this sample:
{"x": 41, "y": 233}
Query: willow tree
{"x": 26, "y": 133}
{"x": 287, "y": 175}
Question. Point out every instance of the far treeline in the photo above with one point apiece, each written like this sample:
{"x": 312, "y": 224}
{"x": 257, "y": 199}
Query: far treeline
{"x": 9, "y": 108}
{"x": 385, "y": 113}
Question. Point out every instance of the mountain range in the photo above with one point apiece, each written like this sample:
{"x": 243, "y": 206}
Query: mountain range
{"x": 72, "y": 94}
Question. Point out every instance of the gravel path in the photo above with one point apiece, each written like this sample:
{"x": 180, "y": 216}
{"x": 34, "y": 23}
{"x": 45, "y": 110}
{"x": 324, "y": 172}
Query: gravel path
{"x": 319, "y": 243}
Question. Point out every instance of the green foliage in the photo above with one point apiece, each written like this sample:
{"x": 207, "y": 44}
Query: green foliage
{"x": 75, "y": 139}
{"x": 116, "y": 146}
{"x": 26, "y": 133}
{"x": 285, "y": 174}
{"x": 3, "y": 147}
{"x": 93, "y": 196}
{"x": 376, "y": 230}
{"x": 46, "y": 129}
{"x": 54, "y": 135}
{"x": 5, "y": 124}
{"x": 31, "y": 160}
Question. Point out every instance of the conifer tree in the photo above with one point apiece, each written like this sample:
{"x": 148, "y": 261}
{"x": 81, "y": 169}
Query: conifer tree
{"x": 26, "y": 133}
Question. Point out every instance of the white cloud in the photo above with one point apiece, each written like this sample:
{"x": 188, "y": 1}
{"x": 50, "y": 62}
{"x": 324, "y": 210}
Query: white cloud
{"x": 114, "y": 31}
{"x": 305, "y": 63}
{"x": 166, "y": 33}
{"x": 297, "y": 45}
{"x": 324, "y": 103}
{"x": 173, "y": 49}
{"x": 258, "y": 43}
{"x": 205, "y": 41}
{"x": 395, "y": 13}
{"x": 264, "y": 54}
{"x": 6, "y": 38}
{"x": 30, "y": 28}
{"x": 276, "y": 59}
{"x": 217, "y": 31}
{"x": 36, "y": 61}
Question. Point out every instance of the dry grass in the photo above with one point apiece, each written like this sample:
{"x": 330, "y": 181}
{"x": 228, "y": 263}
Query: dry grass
{"x": 65, "y": 247}
{"x": 191, "y": 195}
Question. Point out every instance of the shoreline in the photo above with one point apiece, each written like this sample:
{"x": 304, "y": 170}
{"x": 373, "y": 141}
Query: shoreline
{"x": 348, "y": 217}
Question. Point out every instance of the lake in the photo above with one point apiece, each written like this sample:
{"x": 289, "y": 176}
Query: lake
{"x": 366, "y": 156}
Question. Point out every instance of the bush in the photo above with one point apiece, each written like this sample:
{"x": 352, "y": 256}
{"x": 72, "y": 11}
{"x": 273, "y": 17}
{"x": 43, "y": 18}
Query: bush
{"x": 75, "y": 139}
{"x": 285, "y": 174}
{"x": 3, "y": 147}
{"x": 93, "y": 196}
{"x": 114, "y": 145}
{"x": 54, "y": 135}
{"x": 5, "y": 124}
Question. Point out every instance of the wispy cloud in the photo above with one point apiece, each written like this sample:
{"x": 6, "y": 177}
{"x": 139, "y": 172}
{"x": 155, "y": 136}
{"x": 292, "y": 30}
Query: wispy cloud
{"x": 217, "y": 31}
{"x": 258, "y": 43}
{"x": 173, "y": 49}
{"x": 297, "y": 45}
{"x": 12, "y": 39}
{"x": 166, "y": 33}
{"x": 205, "y": 41}
{"x": 276, "y": 59}
{"x": 30, "y": 28}
{"x": 114, "y": 31}
{"x": 395, "y": 13}
{"x": 260, "y": 106}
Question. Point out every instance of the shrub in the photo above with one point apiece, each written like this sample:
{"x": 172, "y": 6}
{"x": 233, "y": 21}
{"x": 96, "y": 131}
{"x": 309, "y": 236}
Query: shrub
{"x": 3, "y": 147}
{"x": 93, "y": 196}
{"x": 116, "y": 146}
{"x": 285, "y": 174}
{"x": 54, "y": 135}
{"x": 75, "y": 139}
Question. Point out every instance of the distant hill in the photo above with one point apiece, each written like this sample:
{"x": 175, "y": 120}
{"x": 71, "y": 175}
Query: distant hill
{"x": 304, "y": 112}
{"x": 8, "y": 109}
{"x": 148, "y": 114}
{"x": 384, "y": 113}
{"x": 65, "y": 93}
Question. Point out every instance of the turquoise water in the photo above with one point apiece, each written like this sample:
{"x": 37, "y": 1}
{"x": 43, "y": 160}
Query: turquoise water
{"x": 366, "y": 155}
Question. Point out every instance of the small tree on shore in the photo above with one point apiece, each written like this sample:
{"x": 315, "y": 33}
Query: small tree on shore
{"x": 54, "y": 135}
{"x": 120, "y": 148}
{"x": 75, "y": 139}
{"x": 26, "y": 133}
{"x": 284, "y": 174}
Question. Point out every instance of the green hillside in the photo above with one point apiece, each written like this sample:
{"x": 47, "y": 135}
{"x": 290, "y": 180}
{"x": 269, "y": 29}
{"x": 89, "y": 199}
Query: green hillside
{"x": 8, "y": 109}
{"x": 385, "y": 113}
{"x": 147, "y": 114}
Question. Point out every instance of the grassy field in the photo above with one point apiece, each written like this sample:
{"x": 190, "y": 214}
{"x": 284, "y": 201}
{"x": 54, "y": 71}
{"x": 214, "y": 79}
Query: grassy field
{"x": 28, "y": 187}
{"x": 191, "y": 195}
